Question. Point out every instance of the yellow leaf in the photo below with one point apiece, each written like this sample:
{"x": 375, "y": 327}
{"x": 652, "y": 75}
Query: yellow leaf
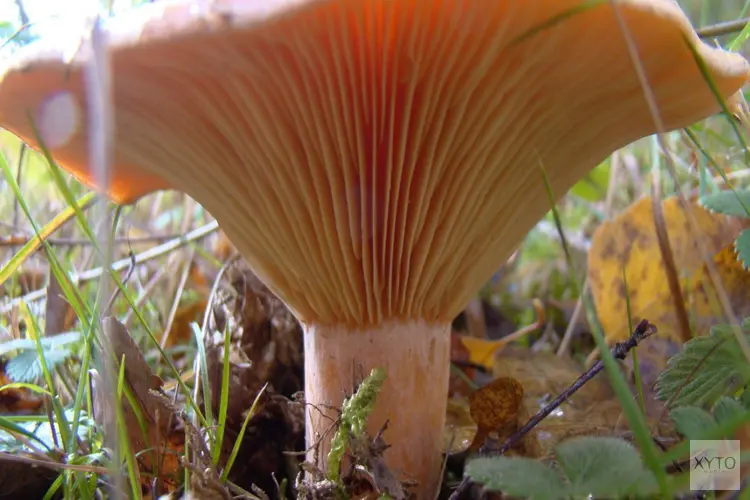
{"x": 482, "y": 351}
{"x": 629, "y": 242}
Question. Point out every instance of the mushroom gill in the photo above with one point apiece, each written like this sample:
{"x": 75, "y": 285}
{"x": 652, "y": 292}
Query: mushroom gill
{"x": 375, "y": 161}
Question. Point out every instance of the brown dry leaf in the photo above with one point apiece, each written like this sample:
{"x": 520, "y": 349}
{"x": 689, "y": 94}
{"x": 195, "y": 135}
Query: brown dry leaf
{"x": 180, "y": 333}
{"x": 155, "y": 408}
{"x": 17, "y": 401}
{"x": 593, "y": 410}
{"x": 494, "y": 408}
{"x": 265, "y": 347}
{"x": 629, "y": 242}
{"x": 222, "y": 249}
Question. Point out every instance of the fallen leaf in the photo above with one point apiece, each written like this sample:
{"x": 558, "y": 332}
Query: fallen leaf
{"x": 181, "y": 333}
{"x": 16, "y": 400}
{"x": 591, "y": 411}
{"x": 460, "y": 428}
{"x": 481, "y": 351}
{"x": 155, "y": 408}
{"x": 494, "y": 408}
{"x": 629, "y": 243}
{"x": 265, "y": 347}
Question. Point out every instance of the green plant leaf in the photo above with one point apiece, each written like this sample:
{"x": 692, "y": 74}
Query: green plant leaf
{"x": 48, "y": 343}
{"x": 593, "y": 187}
{"x": 520, "y": 477}
{"x": 735, "y": 202}
{"x": 604, "y": 467}
{"x": 708, "y": 367}
{"x": 742, "y": 247}
{"x": 727, "y": 409}
{"x": 26, "y": 365}
{"x": 691, "y": 421}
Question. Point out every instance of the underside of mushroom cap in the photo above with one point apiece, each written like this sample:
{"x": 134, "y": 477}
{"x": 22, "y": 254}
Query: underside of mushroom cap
{"x": 372, "y": 159}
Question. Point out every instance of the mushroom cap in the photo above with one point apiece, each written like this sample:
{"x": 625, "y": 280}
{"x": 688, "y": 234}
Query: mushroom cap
{"x": 371, "y": 159}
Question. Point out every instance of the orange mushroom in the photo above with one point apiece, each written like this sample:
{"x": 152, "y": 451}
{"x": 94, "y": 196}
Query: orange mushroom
{"x": 375, "y": 161}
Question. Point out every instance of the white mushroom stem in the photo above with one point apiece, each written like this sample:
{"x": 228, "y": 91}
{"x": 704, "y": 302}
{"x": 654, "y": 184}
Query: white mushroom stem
{"x": 416, "y": 357}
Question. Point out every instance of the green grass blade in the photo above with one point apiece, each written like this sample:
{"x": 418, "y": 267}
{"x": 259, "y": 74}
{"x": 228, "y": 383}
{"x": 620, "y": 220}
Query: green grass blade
{"x": 636, "y": 419}
{"x": 224, "y": 398}
{"x": 241, "y": 435}
{"x": 34, "y": 243}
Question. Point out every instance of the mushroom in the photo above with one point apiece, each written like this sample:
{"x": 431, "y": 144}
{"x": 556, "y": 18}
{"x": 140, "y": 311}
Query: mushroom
{"x": 374, "y": 161}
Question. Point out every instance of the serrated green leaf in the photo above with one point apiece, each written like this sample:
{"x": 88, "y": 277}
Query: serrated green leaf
{"x": 742, "y": 247}
{"x": 26, "y": 365}
{"x": 48, "y": 343}
{"x": 708, "y": 367}
{"x": 727, "y": 409}
{"x": 604, "y": 467}
{"x": 692, "y": 421}
{"x": 736, "y": 203}
{"x": 519, "y": 477}
{"x": 16, "y": 345}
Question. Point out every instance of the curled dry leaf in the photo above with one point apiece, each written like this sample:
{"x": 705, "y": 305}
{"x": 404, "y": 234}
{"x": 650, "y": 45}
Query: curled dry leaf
{"x": 498, "y": 407}
{"x": 629, "y": 243}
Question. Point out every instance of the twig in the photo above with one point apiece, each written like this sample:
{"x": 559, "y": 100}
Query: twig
{"x": 50, "y": 464}
{"x": 123, "y": 264}
{"x": 9, "y": 241}
{"x": 725, "y": 28}
{"x": 619, "y": 351}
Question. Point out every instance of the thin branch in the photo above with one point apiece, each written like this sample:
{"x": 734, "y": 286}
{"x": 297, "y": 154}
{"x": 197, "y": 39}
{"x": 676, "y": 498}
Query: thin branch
{"x": 725, "y": 28}
{"x": 9, "y": 241}
{"x": 619, "y": 351}
{"x": 123, "y": 264}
